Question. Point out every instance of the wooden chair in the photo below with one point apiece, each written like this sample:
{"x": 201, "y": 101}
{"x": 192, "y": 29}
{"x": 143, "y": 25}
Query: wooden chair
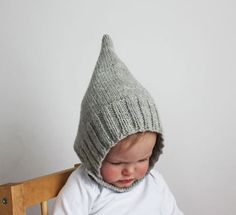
{"x": 17, "y": 197}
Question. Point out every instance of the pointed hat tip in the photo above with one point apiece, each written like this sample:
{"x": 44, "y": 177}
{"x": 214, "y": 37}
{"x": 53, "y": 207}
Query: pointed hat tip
{"x": 107, "y": 41}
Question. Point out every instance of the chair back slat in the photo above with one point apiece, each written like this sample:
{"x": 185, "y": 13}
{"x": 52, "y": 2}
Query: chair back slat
{"x": 45, "y": 187}
{"x": 12, "y": 201}
{"x": 15, "y": 198}
{"x": 44, "y": 208}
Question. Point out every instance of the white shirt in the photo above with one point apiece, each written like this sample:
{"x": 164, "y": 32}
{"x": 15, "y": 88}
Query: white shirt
{"x": 81, "y": 195}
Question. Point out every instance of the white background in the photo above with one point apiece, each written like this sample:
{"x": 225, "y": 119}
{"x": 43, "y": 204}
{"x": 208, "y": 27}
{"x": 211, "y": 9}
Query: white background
{"x": 182, "y": 51}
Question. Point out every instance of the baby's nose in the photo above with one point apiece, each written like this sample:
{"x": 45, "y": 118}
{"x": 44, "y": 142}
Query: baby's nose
{"x": 128, "y": 169}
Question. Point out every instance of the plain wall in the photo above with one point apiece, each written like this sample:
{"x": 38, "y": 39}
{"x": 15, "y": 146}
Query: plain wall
{"x": 183, "y": 52}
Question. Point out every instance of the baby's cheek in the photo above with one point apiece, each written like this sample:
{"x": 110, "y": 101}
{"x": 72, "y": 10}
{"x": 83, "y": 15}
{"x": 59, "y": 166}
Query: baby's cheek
{"x": 143, "y": 170}
{"x": 110, "y": 174}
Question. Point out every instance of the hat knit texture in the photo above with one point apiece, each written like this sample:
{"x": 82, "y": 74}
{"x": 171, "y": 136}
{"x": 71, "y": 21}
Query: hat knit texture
{"x": 114, "y": 106}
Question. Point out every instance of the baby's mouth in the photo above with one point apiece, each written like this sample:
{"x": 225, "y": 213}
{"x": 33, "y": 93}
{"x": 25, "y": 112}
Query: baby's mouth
{"x": 126, "y": 181}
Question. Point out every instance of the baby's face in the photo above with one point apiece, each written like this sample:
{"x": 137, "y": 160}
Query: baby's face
{"x": 128, "y": 161}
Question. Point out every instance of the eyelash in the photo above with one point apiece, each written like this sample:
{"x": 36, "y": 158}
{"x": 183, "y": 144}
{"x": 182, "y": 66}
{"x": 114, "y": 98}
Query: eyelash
{"x": 140, "y": 161}
{"x": 143, "y": 160}
{"x": 115, "y": 163}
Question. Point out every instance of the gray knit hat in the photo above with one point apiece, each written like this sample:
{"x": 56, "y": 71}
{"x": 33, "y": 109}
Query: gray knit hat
{"x": 114, "y": 106}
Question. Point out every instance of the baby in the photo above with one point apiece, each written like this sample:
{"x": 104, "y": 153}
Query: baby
{"x": 119, "y": 140}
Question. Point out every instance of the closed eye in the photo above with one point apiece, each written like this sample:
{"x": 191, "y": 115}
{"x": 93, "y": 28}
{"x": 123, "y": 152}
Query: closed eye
{"x": 143, "y": 160}
{"x": 115, "y": 163}
{"x": 120, "y": 163}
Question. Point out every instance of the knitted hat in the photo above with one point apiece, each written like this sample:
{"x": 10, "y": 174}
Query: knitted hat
{"x": 114, "y": 106}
